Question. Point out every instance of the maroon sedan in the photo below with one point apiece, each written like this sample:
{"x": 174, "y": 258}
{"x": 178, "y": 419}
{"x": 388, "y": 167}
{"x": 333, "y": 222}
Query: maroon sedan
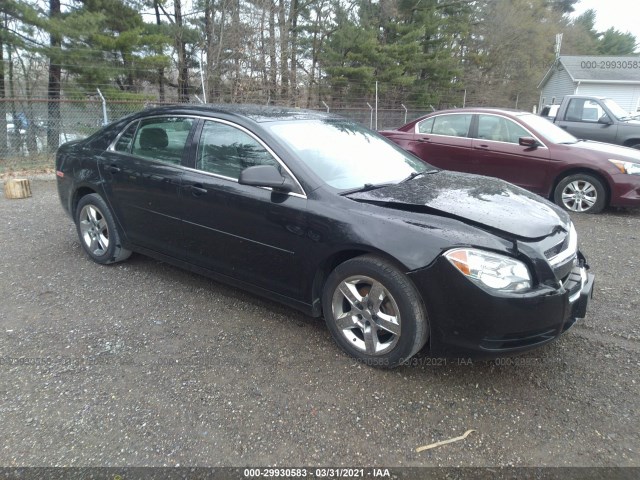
{"x": 529, "y": 151}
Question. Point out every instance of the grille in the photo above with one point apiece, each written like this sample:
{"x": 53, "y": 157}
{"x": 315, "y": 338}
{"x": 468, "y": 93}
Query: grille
{"x": 556, "y": 249}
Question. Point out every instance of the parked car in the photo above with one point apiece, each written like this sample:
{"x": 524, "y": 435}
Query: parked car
{"x": 595, "y": 118}
{"x": 329, "y": 217}
{"x": 529, "y": 151}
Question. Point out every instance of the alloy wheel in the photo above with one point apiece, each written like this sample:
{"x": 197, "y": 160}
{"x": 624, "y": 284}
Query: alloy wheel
{"x": 579, "y": 196}
{"x": 367, "y": 315}
{"x": 94, "y": 230}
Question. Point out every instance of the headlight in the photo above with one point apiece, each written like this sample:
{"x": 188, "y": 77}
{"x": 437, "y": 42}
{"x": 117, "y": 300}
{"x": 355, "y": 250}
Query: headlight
{"x": 492, "y": 270}
{"x": 627, "y": 167}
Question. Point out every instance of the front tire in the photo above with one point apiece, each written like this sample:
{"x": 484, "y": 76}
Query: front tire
{"x": 581, "y": 193}
{"x": 98, "y": 232}
{"x": 374, "y": 312}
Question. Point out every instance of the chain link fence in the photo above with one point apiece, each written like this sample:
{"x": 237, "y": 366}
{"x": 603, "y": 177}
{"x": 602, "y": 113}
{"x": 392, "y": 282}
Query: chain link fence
{"x": 35, "y": 127}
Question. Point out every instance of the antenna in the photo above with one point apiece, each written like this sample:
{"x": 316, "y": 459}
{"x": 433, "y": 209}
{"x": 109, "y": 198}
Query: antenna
{"x": 558, "y": 44}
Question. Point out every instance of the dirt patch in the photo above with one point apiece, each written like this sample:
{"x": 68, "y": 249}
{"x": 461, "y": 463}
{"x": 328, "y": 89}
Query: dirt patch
{"x": 143, "y": 364}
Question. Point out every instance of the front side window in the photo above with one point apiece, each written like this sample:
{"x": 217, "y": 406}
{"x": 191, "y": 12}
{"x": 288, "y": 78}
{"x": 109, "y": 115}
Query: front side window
{"x": 226, "y": 150}
{"x": 500, "y": 129}
{"x": 582, "y": 110}
{"x": 163, "y": 139}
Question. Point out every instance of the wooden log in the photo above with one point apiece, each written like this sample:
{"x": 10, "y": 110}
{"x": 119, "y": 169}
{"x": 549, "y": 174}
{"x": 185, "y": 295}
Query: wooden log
{"x": 17, "y": 188}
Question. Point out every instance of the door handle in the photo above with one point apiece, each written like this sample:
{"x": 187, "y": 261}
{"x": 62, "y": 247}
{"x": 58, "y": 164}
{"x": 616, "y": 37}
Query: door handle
{"x": 483, "y": 146}
{"x": 114, "y": 169}
{"x": 424, "y": 140}
{"x": 197, "y": 190}
{"x": 564, "y": 126}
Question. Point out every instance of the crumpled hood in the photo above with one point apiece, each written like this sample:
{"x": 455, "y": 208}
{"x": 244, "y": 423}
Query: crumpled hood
{"x": 480, "y": 200}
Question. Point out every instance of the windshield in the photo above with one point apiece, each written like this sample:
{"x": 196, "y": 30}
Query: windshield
{"x": 550, "y": 131}
{"x": 346, "y": 155}
{"x": 616, "y": 109}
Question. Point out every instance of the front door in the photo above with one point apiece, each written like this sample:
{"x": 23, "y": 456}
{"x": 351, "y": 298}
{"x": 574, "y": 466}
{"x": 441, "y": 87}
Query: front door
{"x": 581, "y": 121}
{"x": 249, "y": 233}
{"x": 497, "y": 153}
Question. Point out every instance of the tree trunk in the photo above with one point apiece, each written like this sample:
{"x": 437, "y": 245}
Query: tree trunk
{"x": 161, "y": 94}
{"x": 235, "y": 24}
{"x": 183, "y": 69}
{"x": 3, "y": 104}
{"x": 273, "y": 66}
{"x": 293, "y": 21}
{"x": 284, "y": 26}
{"x": 263, "y": 51}
{"x": 53, "y": 89}
{"x": 17, "y": 188}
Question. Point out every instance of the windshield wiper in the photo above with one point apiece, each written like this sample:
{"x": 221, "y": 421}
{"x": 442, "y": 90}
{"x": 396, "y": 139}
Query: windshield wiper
{"x": 366, "y": 187}
{"x": 417, "y": 174}
{"x": 371, "y": 186}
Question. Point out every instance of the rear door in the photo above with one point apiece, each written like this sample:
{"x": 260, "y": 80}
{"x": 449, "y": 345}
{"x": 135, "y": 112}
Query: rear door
{"x": 443, "y": 141}
{"x": 142, "y": 175}
{"x": 497, "y": 153}
{"x": 249, "y": 233}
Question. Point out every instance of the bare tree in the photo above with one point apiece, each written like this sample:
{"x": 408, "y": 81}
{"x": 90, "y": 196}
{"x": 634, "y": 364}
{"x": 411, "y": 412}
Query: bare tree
{"x": 53, "y": 89}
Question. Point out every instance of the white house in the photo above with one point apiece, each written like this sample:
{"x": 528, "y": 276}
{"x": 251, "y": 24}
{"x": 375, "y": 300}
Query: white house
{"x": 614, "y": 77}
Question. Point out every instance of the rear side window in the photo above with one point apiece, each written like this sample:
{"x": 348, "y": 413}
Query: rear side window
{"x": 163, "y": 139}
{"x": 451, "y": 125}
{"x": 425, "y": 126}
{"x": 126, "y": 139}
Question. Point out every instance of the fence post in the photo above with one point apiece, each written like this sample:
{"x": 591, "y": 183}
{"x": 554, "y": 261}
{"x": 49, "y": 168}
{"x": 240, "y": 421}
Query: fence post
{"x": 405, "y": 112}
{"x": 376, "y": 105}
{"x": 105, "y": 119}
{"x": 326, "y": 106}
{"x": 371, "y": 116}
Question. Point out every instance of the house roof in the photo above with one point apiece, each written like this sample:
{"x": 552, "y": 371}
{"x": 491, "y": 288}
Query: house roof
{"x": 597, "y": 69}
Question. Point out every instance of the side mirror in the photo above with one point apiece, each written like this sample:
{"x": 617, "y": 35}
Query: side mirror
{"x": 265, "y": 176}
{"x": 605, "y": 119}
{"x": 529, "y": 142}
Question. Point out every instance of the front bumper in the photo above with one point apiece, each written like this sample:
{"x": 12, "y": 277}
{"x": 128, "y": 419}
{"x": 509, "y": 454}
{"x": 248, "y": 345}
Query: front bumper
{"x": 466, "y": 320}
{"x": 625, "y": 191}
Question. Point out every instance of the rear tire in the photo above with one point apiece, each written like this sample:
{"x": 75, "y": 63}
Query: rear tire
{"x": 581, "y": 193}
{"x": 97, "y": 231}
{"x": 374, "y": 312}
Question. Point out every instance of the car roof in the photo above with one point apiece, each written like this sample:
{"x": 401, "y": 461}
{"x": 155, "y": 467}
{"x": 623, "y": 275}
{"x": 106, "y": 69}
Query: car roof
{"x": 257, "y": 113}
{"x": 507, "y": 111}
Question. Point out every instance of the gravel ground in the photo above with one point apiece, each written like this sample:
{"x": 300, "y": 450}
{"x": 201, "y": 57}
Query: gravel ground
{"x": 144, "y": 364}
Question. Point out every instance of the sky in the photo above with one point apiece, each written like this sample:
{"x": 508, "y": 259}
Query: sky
{"x": 619, "y": 14}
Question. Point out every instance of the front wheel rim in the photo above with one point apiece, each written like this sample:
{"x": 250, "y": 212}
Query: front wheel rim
{"x": 366, "y": 315}
{"x": 579, "y": 196}
{"x": 94, "y": 230}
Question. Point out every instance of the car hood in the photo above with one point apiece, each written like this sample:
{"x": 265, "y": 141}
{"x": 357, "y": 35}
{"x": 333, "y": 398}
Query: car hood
{"x": 475, "y": 199}
{"x": 609, "y": 150}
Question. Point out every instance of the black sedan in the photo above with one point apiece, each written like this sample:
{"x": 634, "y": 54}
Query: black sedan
{"x": 331, "y": 218}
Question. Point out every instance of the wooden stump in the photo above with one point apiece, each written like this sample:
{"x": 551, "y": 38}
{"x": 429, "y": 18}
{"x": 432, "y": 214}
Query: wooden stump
{"x": 17, "y": 188}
